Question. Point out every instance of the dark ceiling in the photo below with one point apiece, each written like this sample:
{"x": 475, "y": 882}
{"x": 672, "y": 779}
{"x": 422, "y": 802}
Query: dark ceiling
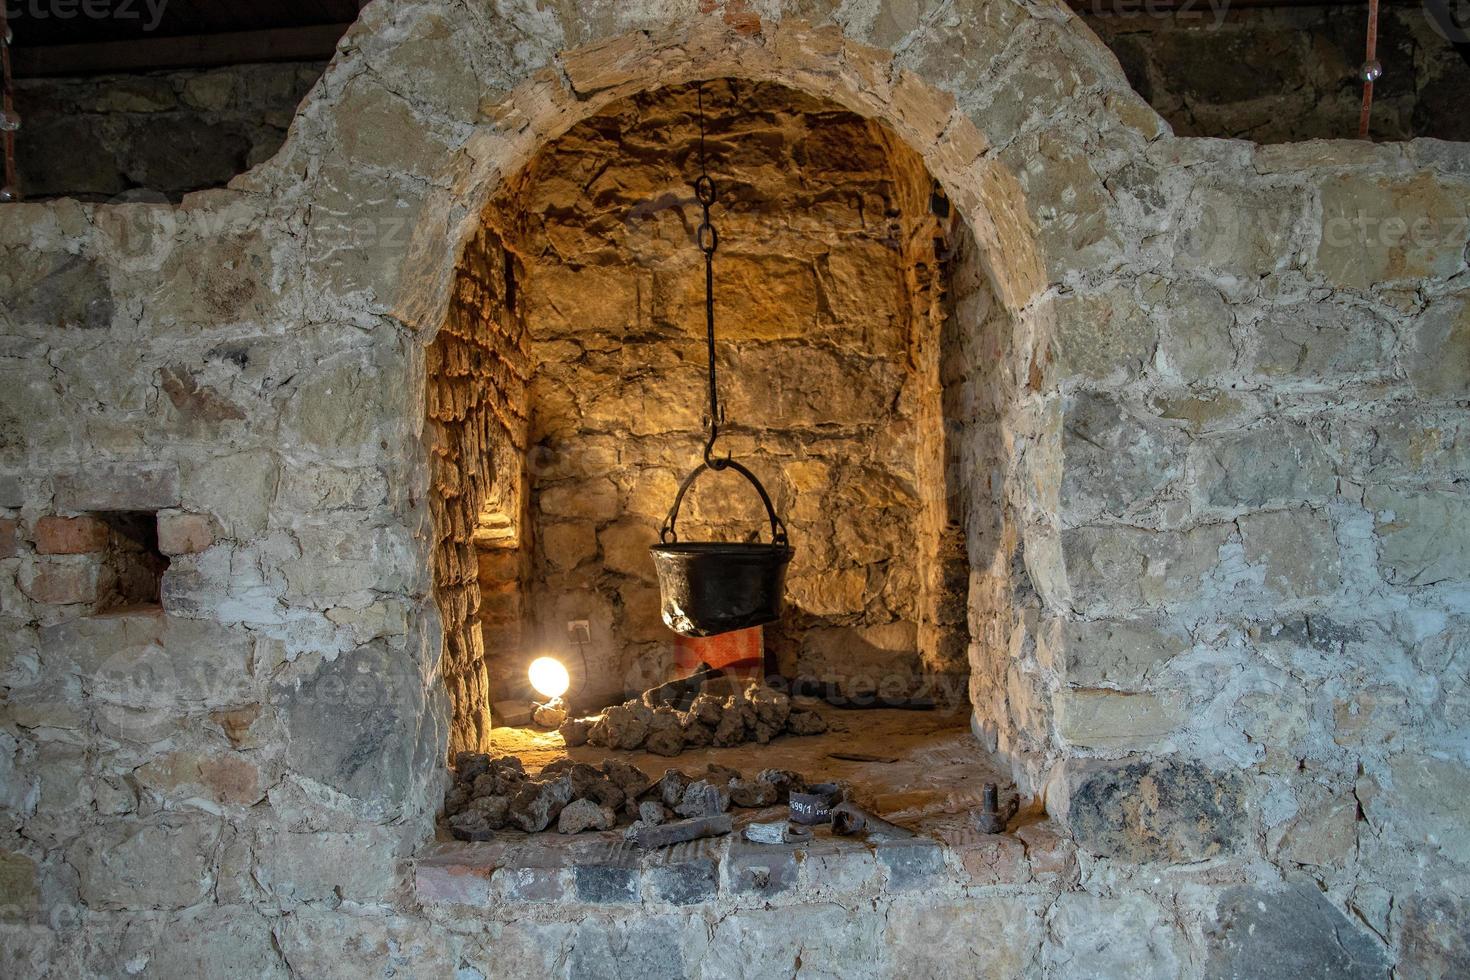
{"x": 68, "y": 22}
{"x": 38, "y": 22}
{"x": 63, "y": 37}
{"x": 80, "y": 37}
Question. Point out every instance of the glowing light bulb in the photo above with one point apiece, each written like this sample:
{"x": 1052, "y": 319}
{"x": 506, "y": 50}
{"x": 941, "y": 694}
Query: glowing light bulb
{"x": 549, "y": 677}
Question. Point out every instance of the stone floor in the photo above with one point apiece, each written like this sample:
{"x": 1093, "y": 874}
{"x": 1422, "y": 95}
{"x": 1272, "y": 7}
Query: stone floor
{"x": 926, "y": 776}
{"x": 925, "y": 764}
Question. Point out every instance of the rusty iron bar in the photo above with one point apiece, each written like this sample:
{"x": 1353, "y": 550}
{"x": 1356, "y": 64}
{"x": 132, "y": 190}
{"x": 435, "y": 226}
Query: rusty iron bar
{"x": 848, "y": 818}
{"x": 1371, "y": 70}
{"x": 7, "y": 98}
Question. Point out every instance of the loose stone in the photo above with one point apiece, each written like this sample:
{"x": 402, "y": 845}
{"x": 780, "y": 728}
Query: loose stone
{"x": 580, "y": 815}
{"x": 703, "y": 799}
{"x": 646, "y": 836}
{"x": 537, "y": 804}
{"x": 470, "y": 827}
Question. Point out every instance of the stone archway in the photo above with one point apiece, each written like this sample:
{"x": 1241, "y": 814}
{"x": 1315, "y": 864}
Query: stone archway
{"x": 427, "y": 110}
{"x": 820, "y": 62}
{"x": 999, "y": 369}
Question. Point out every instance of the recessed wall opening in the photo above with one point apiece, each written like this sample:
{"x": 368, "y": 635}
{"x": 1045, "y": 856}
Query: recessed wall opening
{"x": 132, "y": 565}
{"x": 565, "y": 395}
{"x": 99, "y": 562}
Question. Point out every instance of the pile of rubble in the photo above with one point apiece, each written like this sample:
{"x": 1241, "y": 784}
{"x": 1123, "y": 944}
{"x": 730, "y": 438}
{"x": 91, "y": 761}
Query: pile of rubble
{"x": 494, "y": 793}
{"x": 757, "y": 713}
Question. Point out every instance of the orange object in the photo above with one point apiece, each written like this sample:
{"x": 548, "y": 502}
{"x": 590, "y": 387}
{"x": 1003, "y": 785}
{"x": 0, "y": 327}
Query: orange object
{"x": 740, "y": 652}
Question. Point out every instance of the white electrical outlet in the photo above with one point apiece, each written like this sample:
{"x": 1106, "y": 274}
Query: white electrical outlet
{"x": 580, "y": 630}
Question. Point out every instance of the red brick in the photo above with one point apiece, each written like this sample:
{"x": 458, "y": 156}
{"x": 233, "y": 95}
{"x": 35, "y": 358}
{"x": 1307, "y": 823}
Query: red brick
{"x": 61, "y": 584}
{"x": 1052, "y": 856}
{"x": 237, "y": 723}
{"x": 70, "y": 536}
{"x": 228, "y": 779}
{"x": 994, "y": 859}
{"x": 9, "y": 537}
{"x": 233, "y": 779}
{"x": 184, "y": 534}
{"x": 456, "y": 881}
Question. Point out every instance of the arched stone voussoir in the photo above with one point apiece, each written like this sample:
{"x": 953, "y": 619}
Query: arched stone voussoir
{"x": 817, "y": 60}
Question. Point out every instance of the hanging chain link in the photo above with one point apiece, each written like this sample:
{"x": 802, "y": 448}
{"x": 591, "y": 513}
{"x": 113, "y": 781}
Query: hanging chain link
{"x": 708, "y": 240}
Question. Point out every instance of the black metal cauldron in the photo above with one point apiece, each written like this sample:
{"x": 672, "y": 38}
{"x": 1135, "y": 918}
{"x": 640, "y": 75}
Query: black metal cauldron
{"x": 712, "y": 587}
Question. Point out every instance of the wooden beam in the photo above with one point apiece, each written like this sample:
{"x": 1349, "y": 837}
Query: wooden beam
{"x": 315, "y": 43}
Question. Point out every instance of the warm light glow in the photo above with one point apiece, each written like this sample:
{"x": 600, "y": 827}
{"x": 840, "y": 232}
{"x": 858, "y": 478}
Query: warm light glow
{"x": 549, "y": 677}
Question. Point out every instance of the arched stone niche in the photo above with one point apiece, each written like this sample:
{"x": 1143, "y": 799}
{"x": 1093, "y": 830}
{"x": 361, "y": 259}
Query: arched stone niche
{"x": 997, "y": 371}
{"x": 850, "y": 302}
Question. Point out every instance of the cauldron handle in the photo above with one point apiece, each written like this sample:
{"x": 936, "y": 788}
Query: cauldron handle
{"x": 667, "y": 534}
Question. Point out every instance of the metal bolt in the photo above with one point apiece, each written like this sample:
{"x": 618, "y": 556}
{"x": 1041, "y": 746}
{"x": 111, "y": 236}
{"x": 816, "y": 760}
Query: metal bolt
{"x": 989, "y": 819}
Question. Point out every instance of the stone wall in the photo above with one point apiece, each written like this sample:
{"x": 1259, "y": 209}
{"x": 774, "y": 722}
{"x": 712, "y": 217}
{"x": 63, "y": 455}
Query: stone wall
{"x": 478, "y": 369}
{"x": 1230, "y": 480}
{"x": 165, "y": 133}
{"x": 1258, "y": 451}
{"x": 984, "y": 581}
{"x": 824, "y": 306}
{"x": 1287, "y": 74}
{"x": 949, "y": 297}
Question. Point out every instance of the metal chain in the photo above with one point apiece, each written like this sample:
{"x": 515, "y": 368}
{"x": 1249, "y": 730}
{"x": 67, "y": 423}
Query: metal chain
{"x": 708, "y": 240}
